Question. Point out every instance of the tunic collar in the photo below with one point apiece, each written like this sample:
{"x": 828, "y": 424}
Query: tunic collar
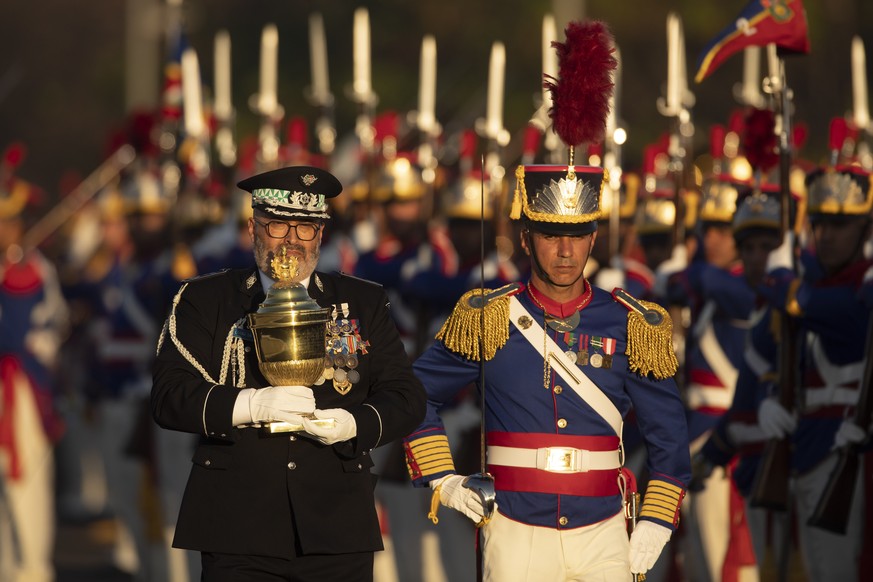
{"x": 556, "y": 309}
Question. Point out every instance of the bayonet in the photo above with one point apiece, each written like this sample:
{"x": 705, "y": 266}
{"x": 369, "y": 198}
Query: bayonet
{"x": 225, "y": 145}
{"x": 319, "y": 94}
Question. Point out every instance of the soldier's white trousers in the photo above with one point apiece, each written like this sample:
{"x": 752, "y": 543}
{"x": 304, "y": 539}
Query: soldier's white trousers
{"x": 516, "y": 552}
{"x": 27, "y": 522}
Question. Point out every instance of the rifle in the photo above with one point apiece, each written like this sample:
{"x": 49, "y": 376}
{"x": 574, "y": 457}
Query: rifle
{"x": 81, "y": 194}
{"x": 225, "y": 147}
{"x": 491, "y": 128}
{"x": 676, "y": 104}
{"x": 319, "y": 94}
{"x": 771, "y": 487}
{"x": 832, "y": 511}
{"x": 361, "y": 92}
{"x": 265, "y": 102}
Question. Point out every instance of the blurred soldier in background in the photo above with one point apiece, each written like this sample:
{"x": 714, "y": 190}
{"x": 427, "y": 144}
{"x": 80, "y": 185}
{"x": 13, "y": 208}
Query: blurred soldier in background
{"x": 831, "y": 325}
{"x": 33, "y": 321}
{"x": 736, "y": 442}
{"x": 721, "y": 302}
{"x": 124, "y": 331}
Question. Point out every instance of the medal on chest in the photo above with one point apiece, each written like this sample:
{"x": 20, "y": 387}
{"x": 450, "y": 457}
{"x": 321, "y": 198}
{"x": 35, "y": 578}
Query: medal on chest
{"x": 343, "y": 344}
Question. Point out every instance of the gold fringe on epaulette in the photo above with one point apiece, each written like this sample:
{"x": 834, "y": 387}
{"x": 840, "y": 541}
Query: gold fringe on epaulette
{"x": 650, "y": 347}
{"x": 460, "y": 332}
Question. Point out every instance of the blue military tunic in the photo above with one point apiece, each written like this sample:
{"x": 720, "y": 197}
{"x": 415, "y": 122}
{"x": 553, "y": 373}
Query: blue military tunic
{"x": 527, "y": 400}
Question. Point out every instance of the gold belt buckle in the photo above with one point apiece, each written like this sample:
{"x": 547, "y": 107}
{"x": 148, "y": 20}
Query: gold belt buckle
{"x": 561, "y": 460}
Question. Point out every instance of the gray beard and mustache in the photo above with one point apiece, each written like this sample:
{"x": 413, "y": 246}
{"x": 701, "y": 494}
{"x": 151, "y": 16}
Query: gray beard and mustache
{"x": 306, "y": 265}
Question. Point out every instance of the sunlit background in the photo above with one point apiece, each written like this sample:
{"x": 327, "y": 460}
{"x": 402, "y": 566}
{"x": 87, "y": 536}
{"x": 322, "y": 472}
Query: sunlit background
{"x": 70, "y": 71}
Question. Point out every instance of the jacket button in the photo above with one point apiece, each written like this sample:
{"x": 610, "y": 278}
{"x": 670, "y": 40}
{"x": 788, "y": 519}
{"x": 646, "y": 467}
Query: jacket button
{"x": 360, "y": 466}
{"x": 562, "y": 423}
{"x": 558, "y": 389}
{"x": 248, "y": 349}
{"x": 207, "y": 462}
{"x": 563, "y": 520}
{"x": 292, "y": 465}
{"x": 292, "y": 438}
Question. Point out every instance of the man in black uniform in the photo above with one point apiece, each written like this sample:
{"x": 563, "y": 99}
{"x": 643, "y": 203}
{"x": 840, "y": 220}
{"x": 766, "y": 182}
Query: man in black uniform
{"x": 289, "y": 506}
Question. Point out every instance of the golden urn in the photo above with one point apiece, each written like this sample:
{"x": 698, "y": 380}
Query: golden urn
{"x": 289, "y": 329}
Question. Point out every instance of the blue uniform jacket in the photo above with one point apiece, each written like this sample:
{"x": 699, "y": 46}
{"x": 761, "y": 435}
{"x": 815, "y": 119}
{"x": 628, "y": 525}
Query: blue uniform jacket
{"x": 517, "y": 401}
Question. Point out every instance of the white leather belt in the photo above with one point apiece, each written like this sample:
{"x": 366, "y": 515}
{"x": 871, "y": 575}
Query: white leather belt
{"x": 554, "y": 459}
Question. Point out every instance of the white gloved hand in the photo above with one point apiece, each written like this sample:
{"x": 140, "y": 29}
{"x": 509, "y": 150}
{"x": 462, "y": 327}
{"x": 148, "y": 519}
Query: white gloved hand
{"x": 281, "y": 403}
{"x": 782, "y": 257}
{"x": 678, "y": 261}
{"x": 453, "y": 494}
{"x": 344, "y": 429}
{"x": 849, "y": 433}
{"x": 646, "y": 543}
{"x": 774, "y": 420}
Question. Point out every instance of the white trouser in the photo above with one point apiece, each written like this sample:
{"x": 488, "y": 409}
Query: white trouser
{"x": 516, "y": 552}
{"x": 125, "y": 478}
{"x": 174, "y": 452}
{"x": 828, "y": 556}
{"x": 27, "y": 524}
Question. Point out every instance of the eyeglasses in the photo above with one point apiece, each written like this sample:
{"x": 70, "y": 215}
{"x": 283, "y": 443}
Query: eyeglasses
{"x": 305, "y": 231}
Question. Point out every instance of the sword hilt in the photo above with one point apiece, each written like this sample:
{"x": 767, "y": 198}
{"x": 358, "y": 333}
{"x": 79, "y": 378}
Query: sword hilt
{"x": 483, "y": 485}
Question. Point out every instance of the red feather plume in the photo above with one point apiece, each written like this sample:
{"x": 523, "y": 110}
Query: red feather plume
{"x": 580, "y": 94}
{"x": 759, "y": 140}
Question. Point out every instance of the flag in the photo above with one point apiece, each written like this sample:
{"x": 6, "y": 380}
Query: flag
{"x": 761, "y": 22}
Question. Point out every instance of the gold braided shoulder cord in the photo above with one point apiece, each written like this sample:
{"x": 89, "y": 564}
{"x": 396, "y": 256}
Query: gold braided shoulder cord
{"x": 650, "y": 347}
{"x": 231, "y": 345}
{"x": 461, "y": 330}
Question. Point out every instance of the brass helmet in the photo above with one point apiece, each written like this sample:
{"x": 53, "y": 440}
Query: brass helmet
{"x": 760, "y": 210}
{"x": 656, "y": 210}
{"x": 398, "y": 177}
{"x": 839, "y": 188}
{"x": 566, "y": 199}
{"x": 720, "y": 196}
{"x": 464, "y": 198}
{"x": 844, "y": 190}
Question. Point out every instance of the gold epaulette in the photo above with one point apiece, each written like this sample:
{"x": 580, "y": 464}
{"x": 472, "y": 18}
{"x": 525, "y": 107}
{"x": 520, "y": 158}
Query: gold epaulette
{"x": 649, "y": 337}
{"x": 461, "y": 331}
{"x": 662, "y": 501}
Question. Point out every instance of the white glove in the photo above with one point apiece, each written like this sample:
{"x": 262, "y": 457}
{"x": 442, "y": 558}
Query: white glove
{"x": 678, "y": 261}
{"x": 774, "y": 420}
{"x": 344, "y": 429}
{"x": 849, "y": 433}
{"x": 277, "y": 403}
{"x": 453, "y": 494}
{"x": 646, "y": 543}
{"x": 782, "y": 257}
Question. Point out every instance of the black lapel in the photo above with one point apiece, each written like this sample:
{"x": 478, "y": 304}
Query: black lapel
{"x": 251, "y": 291}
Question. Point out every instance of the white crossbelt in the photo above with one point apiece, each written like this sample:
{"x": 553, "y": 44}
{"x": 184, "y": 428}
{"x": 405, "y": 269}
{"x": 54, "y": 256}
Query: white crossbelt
{"x": 571, "y": 374}
{"x": 554, "y": 459}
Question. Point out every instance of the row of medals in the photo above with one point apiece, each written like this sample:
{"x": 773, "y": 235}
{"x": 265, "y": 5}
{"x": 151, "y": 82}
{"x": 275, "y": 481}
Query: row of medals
{"x": 581, "y": 357}
{"x": 338, "y": 365}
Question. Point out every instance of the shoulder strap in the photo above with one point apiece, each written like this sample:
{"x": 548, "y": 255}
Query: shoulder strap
{"x": 570, "y": 373}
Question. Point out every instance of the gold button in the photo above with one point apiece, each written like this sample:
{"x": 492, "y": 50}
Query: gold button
{"x": 558, "y": 389}
{"x": 292, "y": 465}
{"x": 562, "y": 423}
{"x": 563, "y": 520}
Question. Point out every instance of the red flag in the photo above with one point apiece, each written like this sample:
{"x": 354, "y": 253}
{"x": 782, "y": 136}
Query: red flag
{"x": 761, "y": 22}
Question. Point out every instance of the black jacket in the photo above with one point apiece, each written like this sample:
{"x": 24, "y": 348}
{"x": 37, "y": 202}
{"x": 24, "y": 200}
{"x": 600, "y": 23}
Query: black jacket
{"x": 250, "y": 492}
